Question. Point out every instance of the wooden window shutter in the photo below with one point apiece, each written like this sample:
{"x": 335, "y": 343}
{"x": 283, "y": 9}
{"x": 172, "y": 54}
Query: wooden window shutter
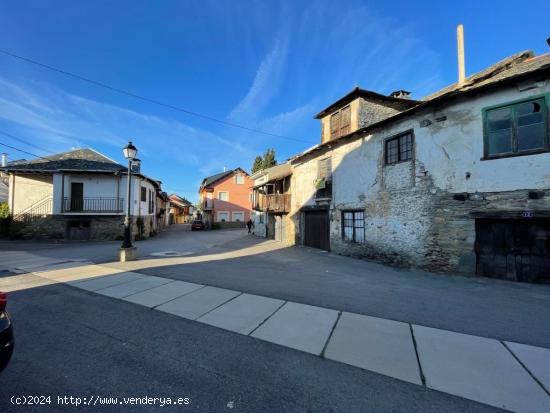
{"x": 345, "y": 121}
{"x": 335, "y": 125}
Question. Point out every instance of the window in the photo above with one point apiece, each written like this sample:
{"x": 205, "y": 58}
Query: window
{"x": 353, "y": 228}
{"x": 516, "y": 128}
{"x": 223, "y": 216}
{"x": 324, "y": 178}
{"x": 143, "y": 194}
{"x": 340, "y": 122}
{"x": 238, "y": 216}
{"x": 223, "y": 196}
{"x": 151, "y": 202}
{"x": 399, "y": 148}
{"x": 262, "y": 218}
{"x": 239, "y": 179}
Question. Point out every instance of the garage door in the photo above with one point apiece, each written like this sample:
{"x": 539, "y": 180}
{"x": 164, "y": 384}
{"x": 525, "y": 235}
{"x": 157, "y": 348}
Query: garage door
{"x": 317, "y": 229}
{"x": 514, "y": 249}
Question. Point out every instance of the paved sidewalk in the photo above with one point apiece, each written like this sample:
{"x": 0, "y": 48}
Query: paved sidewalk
{"x": 508, "y": 375}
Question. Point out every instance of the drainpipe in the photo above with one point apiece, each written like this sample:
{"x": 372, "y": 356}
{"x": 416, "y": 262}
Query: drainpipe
{"x": 460, "y": 51}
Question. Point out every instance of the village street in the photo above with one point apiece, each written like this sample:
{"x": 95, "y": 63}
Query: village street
{"x": 290, "y": 328}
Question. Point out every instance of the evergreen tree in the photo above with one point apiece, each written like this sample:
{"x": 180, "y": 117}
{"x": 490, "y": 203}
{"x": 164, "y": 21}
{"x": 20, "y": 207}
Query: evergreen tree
{"x": 266, "y": 161}
{"x": 257, "y": 165}
{"x": 269, "y": 159}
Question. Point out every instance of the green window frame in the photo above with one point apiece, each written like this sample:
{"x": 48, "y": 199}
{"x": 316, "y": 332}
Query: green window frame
{"x": 516, "y": 128}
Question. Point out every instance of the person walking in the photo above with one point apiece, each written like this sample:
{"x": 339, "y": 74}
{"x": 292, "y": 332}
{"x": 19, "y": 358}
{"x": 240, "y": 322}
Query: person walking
{"x": 249, "y": 225}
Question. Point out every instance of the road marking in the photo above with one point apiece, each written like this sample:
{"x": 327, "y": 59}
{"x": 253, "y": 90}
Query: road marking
{"x": 162, "y": 294}
{"x": 132, "y": 287}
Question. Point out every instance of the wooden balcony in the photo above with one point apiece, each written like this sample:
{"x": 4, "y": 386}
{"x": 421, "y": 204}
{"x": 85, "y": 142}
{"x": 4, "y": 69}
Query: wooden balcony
{"x": 277, "y": 203}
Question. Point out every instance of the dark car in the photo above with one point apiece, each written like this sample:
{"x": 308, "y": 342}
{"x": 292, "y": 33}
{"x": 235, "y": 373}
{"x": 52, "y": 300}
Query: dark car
{"x": 6, "y": 333}
{"x": 197, "y": 225}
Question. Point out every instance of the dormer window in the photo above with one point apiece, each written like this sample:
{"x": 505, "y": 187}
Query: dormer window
{"x": 340, "y": 122}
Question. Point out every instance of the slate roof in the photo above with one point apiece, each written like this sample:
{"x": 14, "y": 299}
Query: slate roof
{"x": 209, "y": 180}
{"x": 81, "y": 160}
{"x": 516, "y": 67}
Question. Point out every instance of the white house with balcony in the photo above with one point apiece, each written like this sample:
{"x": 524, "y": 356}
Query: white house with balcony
{"x": 80, "y": 194}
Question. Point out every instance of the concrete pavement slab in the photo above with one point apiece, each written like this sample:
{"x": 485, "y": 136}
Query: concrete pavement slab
{"x": 477, "y": 368}
{"x": 20, "y": 282}
{"x": 81, "y": 273}
{"x": 536, "y": 359}
{"x": 132, "y": 287}
{"x": 162, "y": 294}
{"x": 299, "y": 326}
{"x": 198, "y": 302}
{"x": 107, "y": 281}
{"x": 375, "y": 344}
{"x": 242, "y": 314}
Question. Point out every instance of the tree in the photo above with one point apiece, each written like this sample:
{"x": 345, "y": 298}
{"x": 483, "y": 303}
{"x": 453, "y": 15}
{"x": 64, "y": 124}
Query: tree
{"x": 257, "y": 165}
{"x": 266, "y": 161}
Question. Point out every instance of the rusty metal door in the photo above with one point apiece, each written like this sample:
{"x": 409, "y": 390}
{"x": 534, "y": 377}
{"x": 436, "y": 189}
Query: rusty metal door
{"x": 317, "y": 229}
{"x": 513, "y": 249}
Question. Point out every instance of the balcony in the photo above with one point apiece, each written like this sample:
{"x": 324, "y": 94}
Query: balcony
{"x": 93, "y": 205}
{"x": 207, "y": 204}
{"x": 277, "y": 203}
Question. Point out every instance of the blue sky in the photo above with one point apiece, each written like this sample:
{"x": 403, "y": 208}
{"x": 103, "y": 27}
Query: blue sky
{"x": 269, "y": 65}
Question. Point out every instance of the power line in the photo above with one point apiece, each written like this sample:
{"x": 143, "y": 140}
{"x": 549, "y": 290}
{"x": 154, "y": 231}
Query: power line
{"x": 21, "y": 150}
{"x": 144, "y": 98}
{"x": 9, "y": 135}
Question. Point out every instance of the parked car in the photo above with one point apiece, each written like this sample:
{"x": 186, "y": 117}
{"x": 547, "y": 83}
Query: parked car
{"x": 197, "y": 225}
{"x": 6, "y": 333}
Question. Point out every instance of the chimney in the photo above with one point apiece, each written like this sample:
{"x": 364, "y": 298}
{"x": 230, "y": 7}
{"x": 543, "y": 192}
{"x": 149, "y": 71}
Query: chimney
{"x": 460, "y": 51}
{"x": 401, "y": 94}
{"x": 4, "y": 159}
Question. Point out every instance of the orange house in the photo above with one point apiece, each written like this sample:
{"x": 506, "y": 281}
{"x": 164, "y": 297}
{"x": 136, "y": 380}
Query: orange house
{"x": 226, "y": 197}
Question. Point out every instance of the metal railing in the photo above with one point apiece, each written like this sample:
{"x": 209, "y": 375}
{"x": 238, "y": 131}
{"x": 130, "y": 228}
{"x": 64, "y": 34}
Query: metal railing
{"x": 36, "y": 211}
{"x": 93, "y": 205}
{"x": 272, "y": 202}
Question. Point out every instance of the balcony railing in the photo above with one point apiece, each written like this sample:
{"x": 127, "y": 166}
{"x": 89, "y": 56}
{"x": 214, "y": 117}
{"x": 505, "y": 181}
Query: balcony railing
{"x": 272, "y": 203}
{"x": 93, "y": 205}
{"x": 207, "y": 204}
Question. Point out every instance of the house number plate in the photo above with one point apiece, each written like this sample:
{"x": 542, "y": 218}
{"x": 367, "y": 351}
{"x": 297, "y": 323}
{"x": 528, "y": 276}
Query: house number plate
{"x": 528, "y": 214}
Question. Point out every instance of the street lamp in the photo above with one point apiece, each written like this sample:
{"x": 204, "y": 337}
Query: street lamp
{"x": 126, "y": 252}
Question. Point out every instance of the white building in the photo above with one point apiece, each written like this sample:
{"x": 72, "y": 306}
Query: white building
{"x": 79, "y": 194}
{"x": 456, "y": 182}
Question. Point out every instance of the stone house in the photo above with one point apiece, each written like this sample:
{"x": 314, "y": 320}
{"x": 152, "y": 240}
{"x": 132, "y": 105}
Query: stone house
{"x": 226, "y": 198}
{"x": 80, "y": 194}
{"x": 457, "y": 182}
{"x": 271, "y": 200}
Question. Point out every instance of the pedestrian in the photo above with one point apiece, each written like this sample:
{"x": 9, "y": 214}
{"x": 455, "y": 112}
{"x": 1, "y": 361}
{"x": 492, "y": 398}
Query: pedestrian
{"x": 249, "y": 225}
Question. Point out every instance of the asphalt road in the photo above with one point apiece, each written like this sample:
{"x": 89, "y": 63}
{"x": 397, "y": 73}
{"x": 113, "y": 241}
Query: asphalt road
{"x": 74, "y": 343}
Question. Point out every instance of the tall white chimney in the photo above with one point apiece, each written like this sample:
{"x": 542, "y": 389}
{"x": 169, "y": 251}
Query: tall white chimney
{"x": 4, "y": 159}
{"x": 460, "y": 51}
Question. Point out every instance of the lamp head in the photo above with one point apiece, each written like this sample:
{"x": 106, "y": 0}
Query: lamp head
{"x": 129, "y": 151}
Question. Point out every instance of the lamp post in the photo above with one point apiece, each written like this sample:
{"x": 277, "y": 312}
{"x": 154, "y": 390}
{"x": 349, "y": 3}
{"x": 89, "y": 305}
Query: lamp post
{"x": 130, "y": 152}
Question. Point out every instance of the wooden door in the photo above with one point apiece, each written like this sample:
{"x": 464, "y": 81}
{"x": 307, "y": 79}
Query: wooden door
{"x": 317, "y": 229}
{"x": 77, "y": 196}
{"x": 514, "y": 249}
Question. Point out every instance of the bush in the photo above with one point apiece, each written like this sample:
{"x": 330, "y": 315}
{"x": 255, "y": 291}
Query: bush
{"x": 5, "y": 220}
{"x": 216, "y": 225}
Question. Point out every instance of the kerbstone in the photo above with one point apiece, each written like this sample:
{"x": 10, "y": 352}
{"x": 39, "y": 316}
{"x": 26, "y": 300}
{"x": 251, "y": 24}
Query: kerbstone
{"x": 536, "y": 359}
{"x": 243, "y": 314}
{"x": 132, "y": 287}
{"x": 477, "y": 368}
{"x": 199, "y": 302}
{"x": 162, "y": 294}
{"x": 376, "y": 344}
{"x": 299, "y": 326}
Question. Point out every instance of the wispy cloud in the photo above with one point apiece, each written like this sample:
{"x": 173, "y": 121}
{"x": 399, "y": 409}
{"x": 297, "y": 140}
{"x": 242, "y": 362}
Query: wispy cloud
{"x": 266, "y": 83}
